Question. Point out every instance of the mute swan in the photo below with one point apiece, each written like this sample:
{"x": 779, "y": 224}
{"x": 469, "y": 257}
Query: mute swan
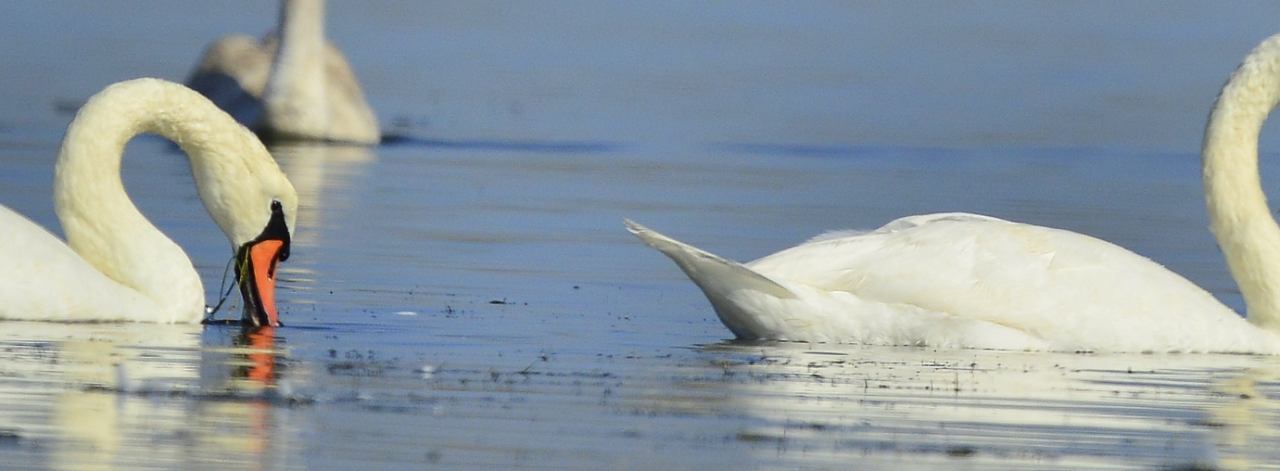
{"x": 293, "y": 85}
{"x": 115, "y": 265}
{"x": 963, "y": 280}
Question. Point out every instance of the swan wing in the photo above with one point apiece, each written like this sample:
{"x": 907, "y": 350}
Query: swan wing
{"x": 45, "y": 280}
{"x": 1073, "y": 290}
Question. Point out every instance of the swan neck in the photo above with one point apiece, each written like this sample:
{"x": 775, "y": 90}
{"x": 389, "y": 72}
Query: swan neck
{"x": 1239, "y": 216}
{"x": 99, "y": 220}
{"x": 294, "y": 97}
{"x": 301, "y": 25}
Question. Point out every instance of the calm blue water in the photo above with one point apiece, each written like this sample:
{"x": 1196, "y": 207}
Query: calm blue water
{"x": 468, "y": 299}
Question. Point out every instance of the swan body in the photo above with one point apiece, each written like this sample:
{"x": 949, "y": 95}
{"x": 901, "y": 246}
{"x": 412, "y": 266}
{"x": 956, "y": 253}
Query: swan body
{"x": 115, "y": 265}
{"x": 292, "y": 85}
{"x": 964, "y": 280}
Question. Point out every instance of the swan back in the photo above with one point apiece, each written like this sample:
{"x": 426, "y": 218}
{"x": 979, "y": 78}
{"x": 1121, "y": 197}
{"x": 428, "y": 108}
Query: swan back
{"x": 1073, "y": 291}
{"x": 1238, "y": 212}
{"x": 234, "y": 174}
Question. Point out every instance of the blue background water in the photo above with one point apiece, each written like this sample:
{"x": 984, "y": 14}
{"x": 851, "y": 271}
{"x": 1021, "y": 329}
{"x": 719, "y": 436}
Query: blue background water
{"x": 468, "y": 298}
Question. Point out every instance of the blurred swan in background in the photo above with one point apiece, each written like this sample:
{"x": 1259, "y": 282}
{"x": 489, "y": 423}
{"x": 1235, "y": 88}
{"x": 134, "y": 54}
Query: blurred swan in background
{"x": 963, "y": 280}
{"x": 115, "y": 265}
{"x": 292, "y": 85}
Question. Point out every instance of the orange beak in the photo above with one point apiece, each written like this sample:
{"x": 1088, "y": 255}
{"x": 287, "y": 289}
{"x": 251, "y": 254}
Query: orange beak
{"x": 257, "y": 273}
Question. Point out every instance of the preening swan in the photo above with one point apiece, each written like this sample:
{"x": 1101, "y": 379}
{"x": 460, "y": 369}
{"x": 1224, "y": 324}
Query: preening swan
{"x": 115, "y": 265}
{"x": 293, "y": 85}
{"x": 963, "y": 280}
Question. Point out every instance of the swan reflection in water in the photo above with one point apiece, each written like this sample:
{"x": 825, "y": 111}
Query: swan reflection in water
{"x": 130, "y": 396}
{"x": 1247, "y": 423}
{"x": 886, "y": 406}
{"x": 248, "y": 383}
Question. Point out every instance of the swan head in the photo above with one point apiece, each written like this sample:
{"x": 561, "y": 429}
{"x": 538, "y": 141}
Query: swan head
{"x": 270, "y": 221}
{"x": 256, "y": 262}
{"x": 251, "y": 199}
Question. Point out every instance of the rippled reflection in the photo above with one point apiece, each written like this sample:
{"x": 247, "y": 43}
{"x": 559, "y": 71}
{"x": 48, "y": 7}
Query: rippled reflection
{"x": 140, "y": 396}
{"x": 829, "y": 404}
{"x": 1246, "y": 423}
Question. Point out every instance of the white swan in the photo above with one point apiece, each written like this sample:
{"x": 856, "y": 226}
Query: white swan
{"x": 962, "y": 280}
{"x": 306, "y": 91}
{"x": 116, "y": 266}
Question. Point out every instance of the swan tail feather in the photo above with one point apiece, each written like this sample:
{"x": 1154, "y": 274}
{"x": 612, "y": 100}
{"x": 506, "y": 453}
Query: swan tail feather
{"x": 705, "y": 267}
{"x": 718, "y": 278}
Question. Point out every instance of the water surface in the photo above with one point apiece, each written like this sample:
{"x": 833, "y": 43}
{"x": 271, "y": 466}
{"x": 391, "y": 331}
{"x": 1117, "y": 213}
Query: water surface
{"x": 467, "y": 298}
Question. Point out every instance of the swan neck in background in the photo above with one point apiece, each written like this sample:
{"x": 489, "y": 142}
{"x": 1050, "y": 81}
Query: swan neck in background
{"x": 294, "y": 97}
{"x": 1239, "y": 216}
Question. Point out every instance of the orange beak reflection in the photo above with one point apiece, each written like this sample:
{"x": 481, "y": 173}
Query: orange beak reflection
{"x": 261, "y": 345}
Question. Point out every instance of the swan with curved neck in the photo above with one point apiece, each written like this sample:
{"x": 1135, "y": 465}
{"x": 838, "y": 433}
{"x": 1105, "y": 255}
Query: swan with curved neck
{"x": 963, "y": 280}
{"x": 293, "y": 85}
{"x": 115, "y": 265}
{"x": 1238, "y": 213}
